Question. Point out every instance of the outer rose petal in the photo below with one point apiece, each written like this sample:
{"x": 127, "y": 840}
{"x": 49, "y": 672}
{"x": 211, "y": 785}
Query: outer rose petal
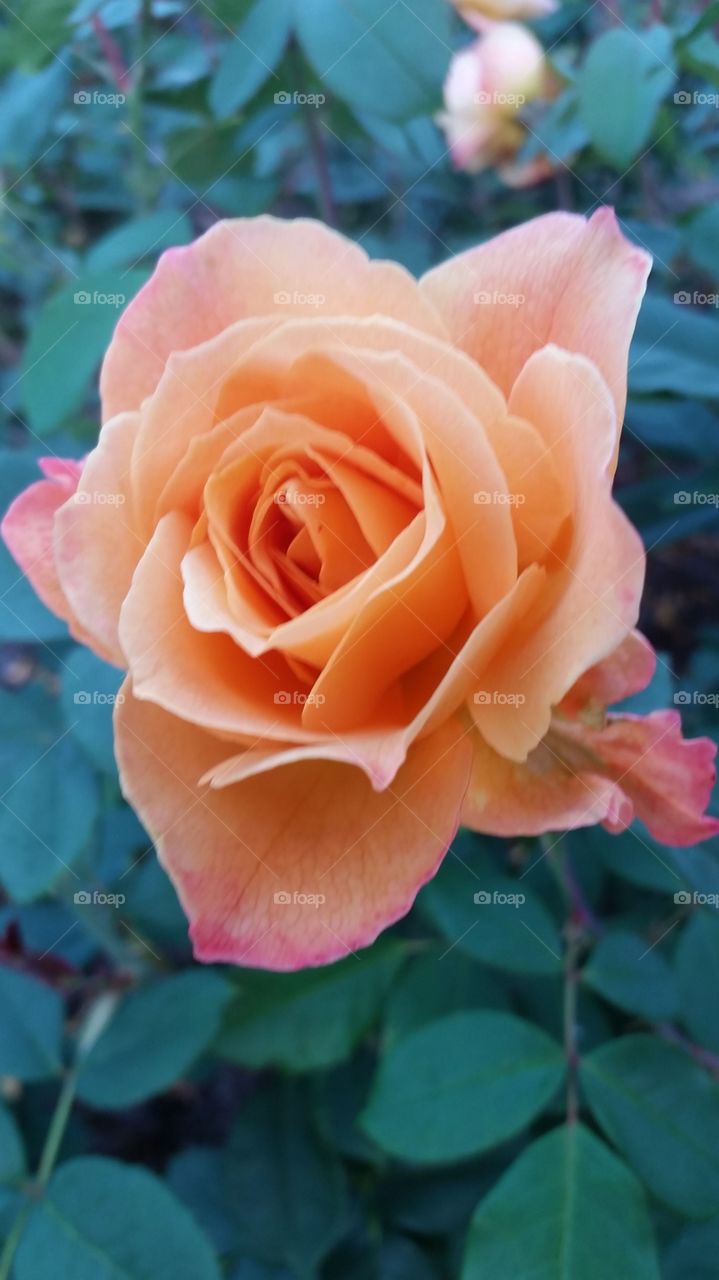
{"x": 635, "y": 767}
{"x": 314, "y": 827}
{"x": 668, "y": 778}
{"x": 247, "y": 268}
{"x": 625, "y": 672}
{"x": 542, "y": 794}
{"x": 29, "y": 528}
{"x": 582, "y": 282}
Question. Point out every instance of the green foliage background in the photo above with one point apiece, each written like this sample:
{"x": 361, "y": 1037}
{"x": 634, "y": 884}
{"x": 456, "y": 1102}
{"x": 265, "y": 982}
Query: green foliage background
{"x": 526, "y": 1091}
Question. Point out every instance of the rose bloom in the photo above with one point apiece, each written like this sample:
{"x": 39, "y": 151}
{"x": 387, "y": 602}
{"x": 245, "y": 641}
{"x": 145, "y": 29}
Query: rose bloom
{"x": 487, "y": 86}
{"x": 353, "y": 539}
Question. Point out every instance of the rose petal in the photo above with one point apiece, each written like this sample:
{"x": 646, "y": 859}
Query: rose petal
{"x": 581, "y": 283}
{"x": 248, "y": 267}
{"x": 310, "y": 828}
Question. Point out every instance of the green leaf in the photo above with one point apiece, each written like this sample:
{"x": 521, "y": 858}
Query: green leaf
{"x": 89, "y": 693}
{"x": 153, "y": 1039}
{"x": 278, "y": 1195}
{"x": 697, "y": 965}
{"x": 23, "y": 617}
{"x": 694, "y": 1254}
{"x": 434, "y": 984}
{"x": 251, "y": 56}
{"x": 139, "y": 238}
{"x": 102, "y": 1220}
{"x": 12, "y": 1153}
{"x": 385, "y": 59}
{"x": 624, "y": 78}
{"x": 40, "y": 843}
{"x": 702, "y": 239}
{"x": 30, "y": 1027}
{"x": 662, "y": 1111}
{"x": 461, "y": 1085}
{"x": 67, "y": 343}
{"x": 32, "y": 43}
{"x": 501, "y": 929}
{"x": 567, "y": 1209}
{"x": 630, "y": 973}
{"x": 308, "y": 1020}
{"x": 675, "y": 348}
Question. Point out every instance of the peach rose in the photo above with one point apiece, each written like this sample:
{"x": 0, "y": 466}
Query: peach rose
{"x": 353, "y": 538}
{"x": 487, "y": 86}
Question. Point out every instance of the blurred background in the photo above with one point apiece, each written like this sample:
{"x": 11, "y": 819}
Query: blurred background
{"x": 403, "y": 1114}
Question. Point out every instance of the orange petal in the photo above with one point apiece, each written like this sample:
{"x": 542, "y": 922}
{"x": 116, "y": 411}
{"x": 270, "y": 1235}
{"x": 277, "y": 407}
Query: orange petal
{"x": 96, "y": 542}
{"x": 248, "y": 267}
{"x": 296, "y": 866}
{"x": 541, "y": 794}
{"x": 625, "y": 672}
{"x": 579, "y": 282}
{"x": 593, "y": 593}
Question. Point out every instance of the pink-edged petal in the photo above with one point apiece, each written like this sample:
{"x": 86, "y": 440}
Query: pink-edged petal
{"x": 242, "y": 268}
{"x": 296, "y": 866}
{"x": 625, "y": 672}
{"x": 668, "y": 778}
{"x": 96, "y": 543}
{"x": 27, "y": 529}
{"x": 579, "y": 284}
{"x": 505, "y": 798}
